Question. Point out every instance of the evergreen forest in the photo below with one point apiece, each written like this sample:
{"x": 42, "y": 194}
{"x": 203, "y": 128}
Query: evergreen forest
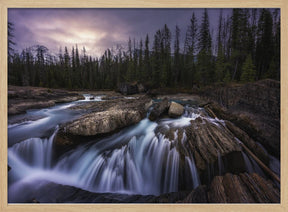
{"x": 244, "y": 47}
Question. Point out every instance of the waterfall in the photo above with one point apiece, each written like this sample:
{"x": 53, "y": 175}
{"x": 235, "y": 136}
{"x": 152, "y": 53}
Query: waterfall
{"x": 248, "y": 163}
{"x": 146, "y": 164}
{"x": 136, "y": 160}
{"x": 193, "y": 171}
{"x": 251, "y": 165}
{"x": 89, "y": 98}
{"x": 220, "y": 164}
{"x": 35, "y": 152}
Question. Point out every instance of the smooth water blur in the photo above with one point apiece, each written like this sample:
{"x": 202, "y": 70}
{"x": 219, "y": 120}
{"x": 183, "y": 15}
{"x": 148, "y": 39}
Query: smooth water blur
{"x": 44, "y": 126}
{"x": 91, "y": 98}
{"x": 136, "y": 160}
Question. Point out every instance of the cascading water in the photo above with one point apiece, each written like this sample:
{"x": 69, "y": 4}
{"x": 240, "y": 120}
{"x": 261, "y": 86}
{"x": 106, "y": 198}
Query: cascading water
{"x": 136, "y": 160}
{"x": 143, "y": 161}
{"x": 220, "y": 164}
{"x": 193, "y": 171}
{"x": 89, "y": 98}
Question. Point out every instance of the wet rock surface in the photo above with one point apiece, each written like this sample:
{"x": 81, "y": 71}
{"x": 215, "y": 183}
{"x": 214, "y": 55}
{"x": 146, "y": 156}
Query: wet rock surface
{"x": 103, "y": 122}
{"x": 102, "y": 118}
{"x": 175, "y": 110}
{"x": 21, "y": 99}
{"x": 159, "y": 109}
{"x": 260, "y": 128}
{"x": 243, "y": 188}
{"x": 230, "y": 188}
{"x": 204, "y": 139}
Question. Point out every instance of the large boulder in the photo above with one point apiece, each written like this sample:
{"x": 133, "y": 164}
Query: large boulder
{"x": 102, "y": 118}
{"x": 175, "y": 110}
{"x": 159, "y": 109}
{"x": 131, "y": 88}
{"x": 103, "y": 122}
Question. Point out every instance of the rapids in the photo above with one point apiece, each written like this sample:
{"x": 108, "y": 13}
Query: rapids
{"x": 136, "y": 160}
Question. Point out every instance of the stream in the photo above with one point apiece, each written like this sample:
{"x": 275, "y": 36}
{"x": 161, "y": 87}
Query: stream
{"x": 136, "y": 160}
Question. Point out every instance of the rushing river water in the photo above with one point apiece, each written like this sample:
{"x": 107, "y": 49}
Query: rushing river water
{"x": 136, "y": 160}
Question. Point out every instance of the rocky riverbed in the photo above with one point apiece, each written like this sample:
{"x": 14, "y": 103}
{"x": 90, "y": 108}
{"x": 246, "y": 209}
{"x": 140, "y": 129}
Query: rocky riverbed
{"x": 221, "y": 143}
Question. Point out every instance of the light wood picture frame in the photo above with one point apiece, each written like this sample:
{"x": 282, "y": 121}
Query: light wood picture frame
{"x": 5, "y": 4}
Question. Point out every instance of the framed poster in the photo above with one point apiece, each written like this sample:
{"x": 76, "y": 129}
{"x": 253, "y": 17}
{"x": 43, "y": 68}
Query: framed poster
{"x": 196, "y": 119}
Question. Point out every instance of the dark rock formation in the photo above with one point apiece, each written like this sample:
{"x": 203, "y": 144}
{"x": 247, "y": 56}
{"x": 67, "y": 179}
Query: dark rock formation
{"x": 198, "y": 195}
{"x": 259, "y": 128}
{"x": 175, "y": 110}
{"x": 243, "y": 188}
{"x": 103, "y": 118}
{"x": 250, "y": 143}
{"x": 253, "y": 107}
{"x": 260, "y": 97}
{"x": 131, "y": 88}
{"x": 159, "y": 109}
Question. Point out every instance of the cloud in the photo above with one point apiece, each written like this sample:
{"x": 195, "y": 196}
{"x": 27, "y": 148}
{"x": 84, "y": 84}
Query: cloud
{"x": 96, "y": 29}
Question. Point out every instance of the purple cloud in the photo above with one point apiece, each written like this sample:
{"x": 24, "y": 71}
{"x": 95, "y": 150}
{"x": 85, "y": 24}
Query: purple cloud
{"x": 97, "y": 29}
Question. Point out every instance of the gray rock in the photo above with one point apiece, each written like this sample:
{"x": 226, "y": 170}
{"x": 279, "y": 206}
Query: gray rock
{"x": 175, "y": 110}
{"x": 159, "y": 109}
{"x": 103, "y": 122}
{"x": 148, "y": 105}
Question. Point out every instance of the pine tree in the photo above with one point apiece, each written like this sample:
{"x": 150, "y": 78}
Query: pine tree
{"x": 189, "y": 74}
{"x": 204, "y": 59}
{"x": 141, "y": 74}
{"x": 66, "y": 70}
{"x": 176, "y": 65}
{"x": 156, "y": 60}
{"x": 147, "y": 62}
{"x": 220, "y": 61}
{"x": 248, "y": 70}
{"x": 264, "y": 48}
{"x": 129, "y": 75}
{"x": 205, "y": 40}
{"x": 165, "y": 43}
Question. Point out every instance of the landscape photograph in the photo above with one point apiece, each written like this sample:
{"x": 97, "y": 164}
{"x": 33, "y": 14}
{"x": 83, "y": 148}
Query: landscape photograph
{"x": 143, "y": 105}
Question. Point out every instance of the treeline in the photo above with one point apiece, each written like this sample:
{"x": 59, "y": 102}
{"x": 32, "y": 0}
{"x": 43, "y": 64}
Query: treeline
{"x": 246, "y": 48}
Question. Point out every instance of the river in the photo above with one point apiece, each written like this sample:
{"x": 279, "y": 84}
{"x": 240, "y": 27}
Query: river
{"x": 137, "y": 160}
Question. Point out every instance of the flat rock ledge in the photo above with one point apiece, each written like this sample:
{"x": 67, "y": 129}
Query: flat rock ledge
{"x": 97, "y": 123}
{"x": 103, "y": 122}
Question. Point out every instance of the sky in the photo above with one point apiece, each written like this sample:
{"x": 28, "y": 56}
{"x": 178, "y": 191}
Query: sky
{"x": 98, "y": 29}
